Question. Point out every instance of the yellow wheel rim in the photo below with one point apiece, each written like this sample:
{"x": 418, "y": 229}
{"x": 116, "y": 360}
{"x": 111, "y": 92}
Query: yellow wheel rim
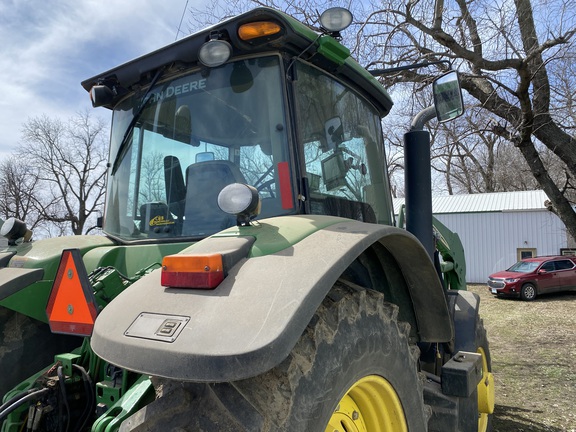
{"x": 486, "y": 394}
{"x": 371, "y": 404}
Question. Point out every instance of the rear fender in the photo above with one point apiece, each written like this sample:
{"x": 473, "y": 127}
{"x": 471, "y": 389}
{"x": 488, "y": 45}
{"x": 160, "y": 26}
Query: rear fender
{"x": 252, "y": 320}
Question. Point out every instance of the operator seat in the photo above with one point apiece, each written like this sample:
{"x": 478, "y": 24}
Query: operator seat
{"x": 175, "y": 187}
{"x": 204, "y": 181}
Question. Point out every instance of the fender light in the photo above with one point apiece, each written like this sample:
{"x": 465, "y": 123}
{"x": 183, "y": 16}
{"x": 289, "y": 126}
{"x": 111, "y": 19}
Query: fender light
{"x": 258, "y": 29}
{"x": 192, "y": 271}
{"x": 72, "y": 305}
{"x": 240, "y": 200}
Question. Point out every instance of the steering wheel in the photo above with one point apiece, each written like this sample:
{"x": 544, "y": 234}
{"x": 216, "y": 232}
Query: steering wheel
{"x": 261, "y": 185}
{"x": 267, "y": 186}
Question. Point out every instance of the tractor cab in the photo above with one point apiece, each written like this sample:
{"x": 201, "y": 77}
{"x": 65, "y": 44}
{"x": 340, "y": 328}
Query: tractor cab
{"x": 239, "y": 107}
{"x": 313, "y": 302}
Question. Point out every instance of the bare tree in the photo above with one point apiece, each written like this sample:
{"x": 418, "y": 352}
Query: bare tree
{"x": 507, "y": 65}
{"x": 472, "y": 159}
{"x": 512, "y": 57}
{"x": 19, "y": 192}
{"x": 68, "y": 162}
{"x": 152, "y": 187}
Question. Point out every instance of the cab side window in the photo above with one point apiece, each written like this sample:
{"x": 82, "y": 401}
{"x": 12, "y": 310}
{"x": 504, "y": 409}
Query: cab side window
{"x": 341, "y": 140}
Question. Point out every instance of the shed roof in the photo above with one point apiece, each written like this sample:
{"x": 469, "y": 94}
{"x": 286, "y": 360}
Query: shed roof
{"x": 485, "y": 202}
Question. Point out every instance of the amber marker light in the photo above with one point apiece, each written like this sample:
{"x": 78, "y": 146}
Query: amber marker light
{"x": 192, "y": 271}
{"x": 258, "y": 29}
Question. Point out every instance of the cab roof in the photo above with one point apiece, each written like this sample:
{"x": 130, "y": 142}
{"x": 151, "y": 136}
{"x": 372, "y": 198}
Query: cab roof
{"x": 296, "y": 39}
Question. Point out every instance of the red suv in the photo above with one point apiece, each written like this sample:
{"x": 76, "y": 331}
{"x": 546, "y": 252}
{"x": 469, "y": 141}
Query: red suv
{"x": 533, "y": 276}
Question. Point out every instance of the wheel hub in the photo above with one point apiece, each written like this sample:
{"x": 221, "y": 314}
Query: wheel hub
{"x": 370, "y": 404}
{"x": 486, "y": 394}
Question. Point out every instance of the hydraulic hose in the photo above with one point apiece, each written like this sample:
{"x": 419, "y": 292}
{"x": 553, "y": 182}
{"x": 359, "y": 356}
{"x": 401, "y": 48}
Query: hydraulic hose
{"x": 34, "y": 394}
{"x": 64, "y": 401}
{"x": 90, "y": 405}
{"x": 15, "y": 398}
{"x": 19, "y": 400}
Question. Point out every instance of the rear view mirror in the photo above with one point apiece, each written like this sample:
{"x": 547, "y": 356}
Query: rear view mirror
{"x": 334, "y": 132}
{"x": 448, "y": 97}
{"x": 204, "y": 157}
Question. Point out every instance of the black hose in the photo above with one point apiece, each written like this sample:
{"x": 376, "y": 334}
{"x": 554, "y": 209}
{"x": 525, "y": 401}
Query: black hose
{"x": 15, "y": 398}
{"x": 20, "y": 400}
{"x": 89, "y": 409}
{"x": 64, "y": 397}
{"x": 32, "y": 394}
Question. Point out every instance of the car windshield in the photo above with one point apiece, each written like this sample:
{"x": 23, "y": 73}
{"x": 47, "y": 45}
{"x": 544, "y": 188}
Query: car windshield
{"x": 198, "y": 133}
{"x": 524, "y": 267}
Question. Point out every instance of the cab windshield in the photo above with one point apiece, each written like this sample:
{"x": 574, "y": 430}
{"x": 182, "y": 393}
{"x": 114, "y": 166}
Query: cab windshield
{"x": 196, "y": 134}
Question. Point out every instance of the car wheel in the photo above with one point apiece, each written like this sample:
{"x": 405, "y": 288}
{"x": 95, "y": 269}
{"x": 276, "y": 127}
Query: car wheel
{"x": 528, "y": 292}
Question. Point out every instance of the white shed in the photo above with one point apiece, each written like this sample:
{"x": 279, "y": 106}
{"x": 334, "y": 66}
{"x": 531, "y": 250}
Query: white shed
{"x": 498, "y": 229}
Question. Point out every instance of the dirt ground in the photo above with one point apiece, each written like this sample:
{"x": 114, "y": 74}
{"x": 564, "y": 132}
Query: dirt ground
{"x": 533, "y": 348}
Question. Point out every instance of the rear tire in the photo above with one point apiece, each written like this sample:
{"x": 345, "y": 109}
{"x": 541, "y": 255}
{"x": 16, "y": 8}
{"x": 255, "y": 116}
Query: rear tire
{"x": 27, "y": 346}
{"x": 354, "y": 335}
{"x": 354, "y": 344}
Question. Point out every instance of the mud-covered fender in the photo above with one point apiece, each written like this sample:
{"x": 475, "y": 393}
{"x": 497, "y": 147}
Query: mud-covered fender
{"x": 252, "y": 320}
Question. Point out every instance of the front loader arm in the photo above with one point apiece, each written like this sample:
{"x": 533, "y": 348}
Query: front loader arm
{"x": 450, "y": 247}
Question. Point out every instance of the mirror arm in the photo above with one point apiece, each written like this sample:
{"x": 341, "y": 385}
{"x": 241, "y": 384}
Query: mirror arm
{"x": 422, "y": 118}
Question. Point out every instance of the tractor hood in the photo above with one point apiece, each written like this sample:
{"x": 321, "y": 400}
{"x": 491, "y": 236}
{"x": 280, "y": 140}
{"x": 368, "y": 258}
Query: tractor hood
{"x": 32, "y": 262}
{"x": 46, "y": 253}
{"x": 27, "y": 271}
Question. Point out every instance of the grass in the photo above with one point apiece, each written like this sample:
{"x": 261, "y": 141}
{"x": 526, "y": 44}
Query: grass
{"x": 533, "y": 348}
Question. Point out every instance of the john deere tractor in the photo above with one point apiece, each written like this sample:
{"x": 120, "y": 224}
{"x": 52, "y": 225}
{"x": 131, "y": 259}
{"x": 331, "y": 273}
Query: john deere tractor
{"x": 252, "y": 276}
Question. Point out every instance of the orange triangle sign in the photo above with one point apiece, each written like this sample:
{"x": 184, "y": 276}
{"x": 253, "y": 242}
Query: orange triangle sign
{"x": 71, "y": 306}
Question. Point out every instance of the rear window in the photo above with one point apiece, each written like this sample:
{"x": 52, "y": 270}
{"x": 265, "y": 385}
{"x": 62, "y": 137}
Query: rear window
{"x": 564, "y": 264}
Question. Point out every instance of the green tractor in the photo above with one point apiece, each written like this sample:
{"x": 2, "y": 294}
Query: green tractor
{"x": 251, "y": 276}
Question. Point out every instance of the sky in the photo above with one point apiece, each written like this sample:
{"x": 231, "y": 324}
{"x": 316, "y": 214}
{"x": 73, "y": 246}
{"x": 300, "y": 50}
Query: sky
{"x": 48, "y": 47}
